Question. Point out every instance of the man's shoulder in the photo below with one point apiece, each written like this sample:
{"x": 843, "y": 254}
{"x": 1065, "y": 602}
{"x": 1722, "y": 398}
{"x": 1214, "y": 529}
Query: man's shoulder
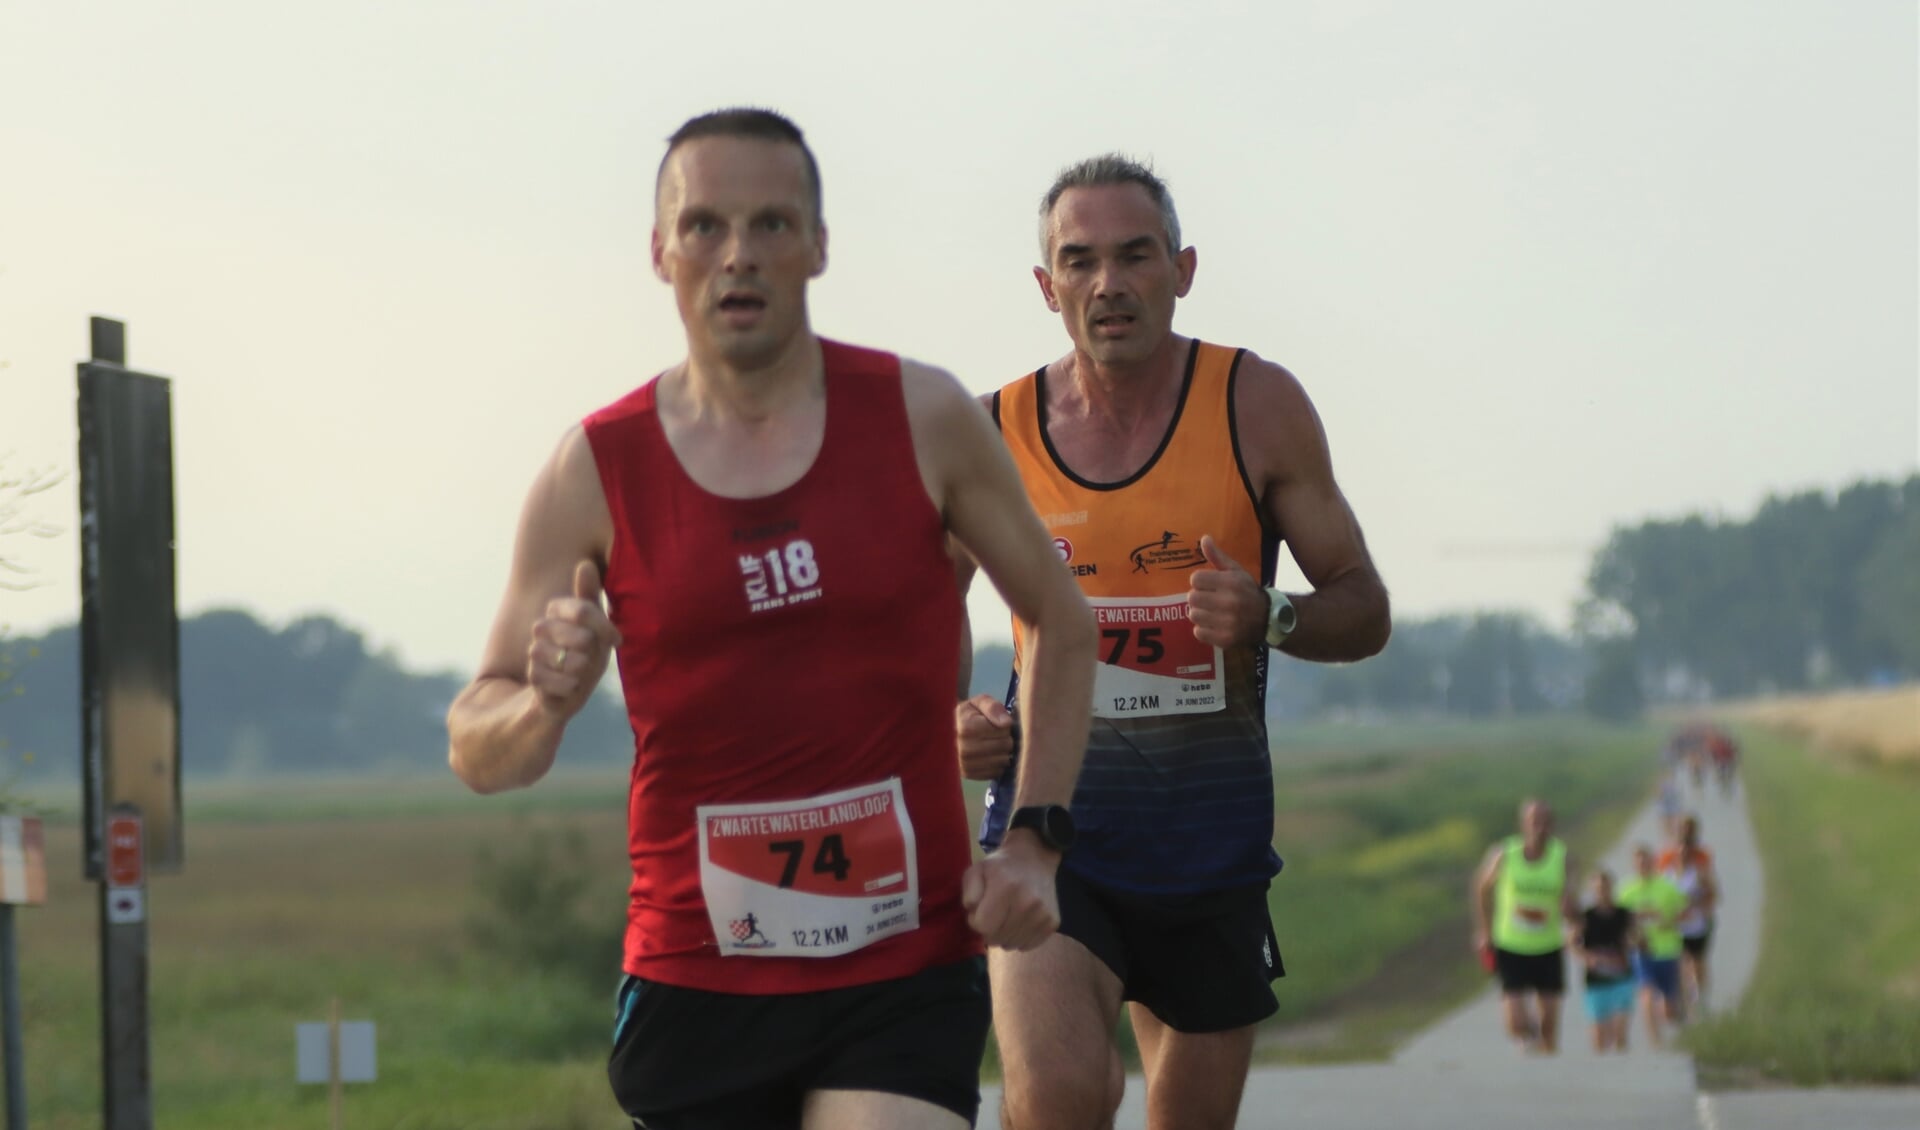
{"x": 637, "y": 404}
{"x": 933, "y": 396}
{"x": 1271, "y": 404}
{"x": 845, "y": 357}
{"x": 1257, "y": 376}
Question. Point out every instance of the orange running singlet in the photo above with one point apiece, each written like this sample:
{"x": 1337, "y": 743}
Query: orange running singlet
{"x": 1176, "y": 791}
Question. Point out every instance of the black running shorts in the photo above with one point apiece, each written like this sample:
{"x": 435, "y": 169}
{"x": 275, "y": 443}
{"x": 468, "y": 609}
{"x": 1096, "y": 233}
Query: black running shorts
{"x": 689, "y": 1059}
{"x": 1543, "y": 973}
{"x": 1201, "y": 963}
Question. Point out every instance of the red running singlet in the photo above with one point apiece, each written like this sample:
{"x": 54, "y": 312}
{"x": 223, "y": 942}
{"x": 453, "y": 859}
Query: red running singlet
{"x": 795, "y": 819}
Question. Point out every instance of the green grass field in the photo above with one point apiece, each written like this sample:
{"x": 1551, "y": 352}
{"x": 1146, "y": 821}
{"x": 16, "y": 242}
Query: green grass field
{"x": 1836, "y": 996}
{"x": 298, "y": 891}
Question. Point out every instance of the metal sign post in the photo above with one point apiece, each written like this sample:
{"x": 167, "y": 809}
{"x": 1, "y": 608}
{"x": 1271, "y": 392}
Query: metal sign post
{"x": 129, "y": 692}
{"x": 125, "y": 1059}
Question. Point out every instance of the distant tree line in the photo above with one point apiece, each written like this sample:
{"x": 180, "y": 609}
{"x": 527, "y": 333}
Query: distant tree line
{"x": 1484, "y": 665}
{"x": 311, "y": 697}
{"x": 1814, "y": 590}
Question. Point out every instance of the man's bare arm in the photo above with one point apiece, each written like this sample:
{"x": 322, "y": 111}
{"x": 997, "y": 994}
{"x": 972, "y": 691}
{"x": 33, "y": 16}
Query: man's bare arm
{"x": 1347, "y": 615}
{"x": 964, "y": 569}
{"x": 983, "y": 726}
{"x": 1569, "y": 895}
{"x": 1480, "y": 897}
{"x": 1010, "y": 896}
{"x": 988, "y": 514}
{"x": 965, "y": 682}
{"x": 550, "y": 639}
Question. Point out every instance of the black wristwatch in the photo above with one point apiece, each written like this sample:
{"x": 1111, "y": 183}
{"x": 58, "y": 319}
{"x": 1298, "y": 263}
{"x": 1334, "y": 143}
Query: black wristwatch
{"x": 1051, "y": 822}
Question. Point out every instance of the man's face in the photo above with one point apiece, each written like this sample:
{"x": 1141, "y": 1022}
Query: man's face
{"x": 1643, "y": 863}
{"x": 1536, "y": 823}
{"x": 1111, "y": 277}
{"x": 735, "y": 234}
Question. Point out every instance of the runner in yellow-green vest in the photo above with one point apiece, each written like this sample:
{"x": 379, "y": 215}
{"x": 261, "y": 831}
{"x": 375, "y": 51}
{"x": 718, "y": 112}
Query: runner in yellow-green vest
{"x": 1521, "y": 905}
{"x": 1657, "y": 903}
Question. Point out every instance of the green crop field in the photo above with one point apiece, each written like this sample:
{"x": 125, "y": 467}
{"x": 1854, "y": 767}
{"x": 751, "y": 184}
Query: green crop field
{"x": 388, "y": 895}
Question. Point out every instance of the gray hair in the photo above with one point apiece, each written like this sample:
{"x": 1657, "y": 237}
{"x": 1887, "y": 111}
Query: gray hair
{"x": 1111, "y": 168}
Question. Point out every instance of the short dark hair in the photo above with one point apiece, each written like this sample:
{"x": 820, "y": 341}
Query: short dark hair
{"x": 750, "y": 122}
{"x": 1111, "y": 168}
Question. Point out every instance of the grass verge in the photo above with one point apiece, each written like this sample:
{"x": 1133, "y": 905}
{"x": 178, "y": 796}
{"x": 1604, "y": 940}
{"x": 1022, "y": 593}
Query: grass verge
{"x": 1836, "y": 996}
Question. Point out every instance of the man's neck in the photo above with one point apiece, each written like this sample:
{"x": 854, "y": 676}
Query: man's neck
{"x": 712, "y": 389}
{"x": 1126, "y": 394}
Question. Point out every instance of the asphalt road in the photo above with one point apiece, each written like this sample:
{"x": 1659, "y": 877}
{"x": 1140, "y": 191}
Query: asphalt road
{"x": 1462, "y": 1072}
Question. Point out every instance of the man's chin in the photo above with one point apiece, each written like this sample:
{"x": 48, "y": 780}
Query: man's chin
{"x": 1117, "y": 351}
{"x": 756, "y": 349}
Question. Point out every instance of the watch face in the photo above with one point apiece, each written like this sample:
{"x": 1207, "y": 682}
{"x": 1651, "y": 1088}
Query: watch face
{"x": 1058, "y": 829}
{"x": 1282, "y": 617}
{"x": 1051, "y": 822}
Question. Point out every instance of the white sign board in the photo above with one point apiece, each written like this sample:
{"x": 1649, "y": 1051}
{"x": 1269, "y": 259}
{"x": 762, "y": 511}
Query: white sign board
{"x": 356, "y": 1052}
{"x": 23, "y": 861}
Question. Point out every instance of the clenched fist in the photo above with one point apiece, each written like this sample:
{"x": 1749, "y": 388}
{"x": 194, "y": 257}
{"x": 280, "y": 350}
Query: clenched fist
{"x": 984, "y": 728}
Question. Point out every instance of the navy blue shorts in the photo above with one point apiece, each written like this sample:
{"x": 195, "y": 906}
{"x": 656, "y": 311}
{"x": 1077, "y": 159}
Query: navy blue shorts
{"x": 1661, "y": 974}
{"x": 1199, "y": 962}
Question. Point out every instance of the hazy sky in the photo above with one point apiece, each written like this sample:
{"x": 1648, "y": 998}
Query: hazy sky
{"x": 1544, "y": 268}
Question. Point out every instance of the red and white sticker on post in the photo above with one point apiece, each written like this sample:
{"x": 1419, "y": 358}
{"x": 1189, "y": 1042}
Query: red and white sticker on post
{"x": 1150, "y": 662}
{"x": 817, "y": 877}
{"x": 126, "y": 870}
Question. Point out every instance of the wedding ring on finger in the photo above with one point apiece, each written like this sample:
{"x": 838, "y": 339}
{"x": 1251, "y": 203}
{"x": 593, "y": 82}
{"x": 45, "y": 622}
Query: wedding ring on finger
{"x": 560, "y": 660}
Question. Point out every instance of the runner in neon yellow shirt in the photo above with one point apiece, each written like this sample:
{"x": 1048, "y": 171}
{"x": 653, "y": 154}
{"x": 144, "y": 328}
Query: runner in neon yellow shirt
{"x": 1657, "y": 904}
{"x": 1522, "y": 905}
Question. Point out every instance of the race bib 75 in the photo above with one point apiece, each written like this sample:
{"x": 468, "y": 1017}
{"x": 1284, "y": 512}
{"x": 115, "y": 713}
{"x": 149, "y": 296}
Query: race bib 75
{"x": 1149, "y": 661}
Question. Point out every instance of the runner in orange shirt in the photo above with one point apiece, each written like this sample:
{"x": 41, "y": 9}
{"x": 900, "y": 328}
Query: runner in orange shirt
{"x": 1690, "y": 866}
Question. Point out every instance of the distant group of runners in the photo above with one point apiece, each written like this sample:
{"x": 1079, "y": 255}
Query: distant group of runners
{"x": 1639, "y": 942}
{"x": 1699, "y": 748}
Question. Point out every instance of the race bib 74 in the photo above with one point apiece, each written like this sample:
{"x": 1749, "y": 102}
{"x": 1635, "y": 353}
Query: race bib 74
{"x": 816, "y": 877}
